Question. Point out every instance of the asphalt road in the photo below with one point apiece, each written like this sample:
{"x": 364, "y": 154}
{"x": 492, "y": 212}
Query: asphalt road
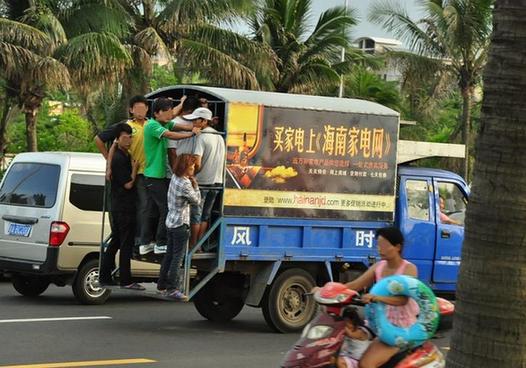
{"x": 131, "y": 330}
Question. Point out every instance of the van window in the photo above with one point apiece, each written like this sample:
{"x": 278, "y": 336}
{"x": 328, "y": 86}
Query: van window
{"x": 30, "y": 184}
{"x": 417, "y": 199}
{"x": 87, "y": 192}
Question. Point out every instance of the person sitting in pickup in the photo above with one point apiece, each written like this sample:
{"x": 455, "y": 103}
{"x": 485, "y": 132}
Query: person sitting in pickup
{"x": 445, "y": 219}
{"x": 401, "y": 311}
{"x": 123, "y": 199}
{"x": 357, "y": 339}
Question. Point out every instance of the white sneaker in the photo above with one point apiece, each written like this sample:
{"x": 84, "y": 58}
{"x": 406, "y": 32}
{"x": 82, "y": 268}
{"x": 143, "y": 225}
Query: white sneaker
{"x": 147, "y": 248}
{"x": 159, "y": 249}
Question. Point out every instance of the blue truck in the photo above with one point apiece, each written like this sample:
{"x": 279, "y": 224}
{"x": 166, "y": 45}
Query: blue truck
{"x": 308, "y": 180}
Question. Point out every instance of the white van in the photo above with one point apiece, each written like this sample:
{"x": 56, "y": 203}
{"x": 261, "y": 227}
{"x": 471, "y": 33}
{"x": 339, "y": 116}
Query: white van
{"x": 51, "y": 223}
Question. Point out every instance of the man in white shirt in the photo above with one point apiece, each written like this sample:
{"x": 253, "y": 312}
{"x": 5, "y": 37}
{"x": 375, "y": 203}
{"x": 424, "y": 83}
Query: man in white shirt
{"x": 209, "y": 146}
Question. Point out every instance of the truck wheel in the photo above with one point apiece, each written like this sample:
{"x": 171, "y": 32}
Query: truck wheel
{"x": 86, "y": 286}
{"x": 29, "y": 286}
{"x": 285, "y": 307}
{"x": 221, "y": 299}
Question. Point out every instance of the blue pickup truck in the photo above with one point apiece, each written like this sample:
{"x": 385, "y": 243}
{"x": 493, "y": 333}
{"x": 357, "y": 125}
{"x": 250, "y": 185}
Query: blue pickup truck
{"x": 308, "y": 180}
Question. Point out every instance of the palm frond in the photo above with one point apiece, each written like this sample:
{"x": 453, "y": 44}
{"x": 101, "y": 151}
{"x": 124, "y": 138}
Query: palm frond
{"x": 150, "y": 40}
{"x": 14, "y": 60}
{"x": 43, "y": 19}
{"x": 49, "y": 72}
{"x": 217, "y": 66}
{"x": 395, "y": 19}
{"x": 259, "y": 58}
{"x": 95, "y": 56}
{"x": 23, "y": 35}
{"x": 334, "y": 21}
{"x": 184, "y": 13}
{"x": 316, "y": 75}
{"x": 103, "y": 16}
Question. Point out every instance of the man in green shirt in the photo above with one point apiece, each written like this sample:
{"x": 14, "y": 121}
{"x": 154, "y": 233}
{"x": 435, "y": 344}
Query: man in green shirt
{"x": 156, "y": 133}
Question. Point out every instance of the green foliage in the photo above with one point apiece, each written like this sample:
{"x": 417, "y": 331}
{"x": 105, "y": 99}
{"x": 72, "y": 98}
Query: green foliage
{"x": 308, "y": 59}
{"x": 365, "y": 84}
{"x": 67, "y": 132}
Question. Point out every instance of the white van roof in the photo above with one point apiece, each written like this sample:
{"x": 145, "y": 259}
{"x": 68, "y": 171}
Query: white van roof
{"x": 79, "y": 161}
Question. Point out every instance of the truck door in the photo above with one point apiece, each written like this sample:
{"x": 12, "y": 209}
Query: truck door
{"x": 450, "y": 210}
{"x": 417, "y": 222}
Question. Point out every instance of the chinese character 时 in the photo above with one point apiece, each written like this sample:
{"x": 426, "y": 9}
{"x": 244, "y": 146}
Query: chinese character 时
{"x": 364, "y": 238}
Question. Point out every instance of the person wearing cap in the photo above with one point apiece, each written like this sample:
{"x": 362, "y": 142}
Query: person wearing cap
{"x": 209, "y": 147}
{"x": 156, "y": 133}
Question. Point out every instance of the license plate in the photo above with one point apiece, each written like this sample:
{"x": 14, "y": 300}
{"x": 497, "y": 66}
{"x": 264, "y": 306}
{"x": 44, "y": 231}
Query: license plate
{"x": 19, "y": 230}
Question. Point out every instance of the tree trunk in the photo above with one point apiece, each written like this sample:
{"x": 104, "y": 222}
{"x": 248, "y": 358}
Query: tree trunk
{"x": 490, "y": 318}
{"x": 466, "y": 127}
{"x": 31, "y": 129}
{"x": 7, "y": 113}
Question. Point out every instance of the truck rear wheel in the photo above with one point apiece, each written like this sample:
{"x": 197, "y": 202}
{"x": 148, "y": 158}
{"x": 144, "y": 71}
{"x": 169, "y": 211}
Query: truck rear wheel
{"x": 285, "y": 307}
{"x": 221, "y": 299}
{"x": 29, "y": 285}
{"x": 86, "y": 286}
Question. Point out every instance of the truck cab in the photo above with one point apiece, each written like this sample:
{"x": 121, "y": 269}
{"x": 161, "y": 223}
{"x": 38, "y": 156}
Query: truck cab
{"x": 433, "y": 235}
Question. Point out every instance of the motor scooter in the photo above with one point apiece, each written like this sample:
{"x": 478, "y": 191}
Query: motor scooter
{"x": 322, "y": 338}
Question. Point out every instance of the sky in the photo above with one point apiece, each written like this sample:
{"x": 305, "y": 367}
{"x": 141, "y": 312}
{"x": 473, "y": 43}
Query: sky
{"x": 364, "y": 28}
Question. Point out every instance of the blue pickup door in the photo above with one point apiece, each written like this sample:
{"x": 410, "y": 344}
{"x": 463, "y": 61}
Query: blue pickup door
{"x": 433, "y": 236}
{"x": 450, "y": 209}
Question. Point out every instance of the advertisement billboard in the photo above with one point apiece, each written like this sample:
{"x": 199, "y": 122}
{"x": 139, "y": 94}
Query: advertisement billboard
{"x": 294, "y": 163}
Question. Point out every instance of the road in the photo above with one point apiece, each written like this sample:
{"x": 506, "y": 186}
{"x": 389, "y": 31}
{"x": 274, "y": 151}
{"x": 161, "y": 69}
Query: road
{"x": 133, "y": 331}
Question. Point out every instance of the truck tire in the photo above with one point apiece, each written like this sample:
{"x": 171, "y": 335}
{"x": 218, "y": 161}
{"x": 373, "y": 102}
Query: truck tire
{"x": 86, "y": 286}
{"x": 285, "y": 307}
{"x": 29, "y": 285}
{"x": 221, "y": 299}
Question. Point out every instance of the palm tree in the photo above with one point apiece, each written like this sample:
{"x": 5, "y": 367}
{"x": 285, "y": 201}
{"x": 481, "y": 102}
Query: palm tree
{"x": 38, "y": 56}
{"x": 489, "y": 323}
{"x": 307, "y": 60}
{"x": 365, "y": 84}
{"x": 191, "y": 35}
{"x": 452, "y": 37}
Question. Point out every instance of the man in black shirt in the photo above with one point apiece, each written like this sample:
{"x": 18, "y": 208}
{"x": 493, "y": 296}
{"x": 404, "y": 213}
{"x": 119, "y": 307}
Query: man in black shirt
{"x": 138, "y": 110}
{"x": 123, "y": 199}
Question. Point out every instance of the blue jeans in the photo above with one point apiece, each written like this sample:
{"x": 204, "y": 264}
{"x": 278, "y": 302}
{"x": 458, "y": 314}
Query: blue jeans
{"x": 169, "y": 277}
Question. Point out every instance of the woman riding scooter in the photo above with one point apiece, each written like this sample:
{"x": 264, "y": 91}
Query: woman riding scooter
{"x": 402, "y": 311}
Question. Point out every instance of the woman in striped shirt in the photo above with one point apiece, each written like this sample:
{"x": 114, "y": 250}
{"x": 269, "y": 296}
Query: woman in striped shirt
{"x": 183, "y": 192}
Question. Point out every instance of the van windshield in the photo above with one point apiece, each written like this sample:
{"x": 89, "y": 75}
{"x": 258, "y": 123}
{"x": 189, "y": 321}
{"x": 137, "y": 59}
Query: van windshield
{"x": 30, "y": 184}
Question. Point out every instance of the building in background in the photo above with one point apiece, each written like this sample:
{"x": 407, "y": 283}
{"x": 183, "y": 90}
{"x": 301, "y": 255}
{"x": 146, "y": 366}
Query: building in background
{"x": 378, "y": 46}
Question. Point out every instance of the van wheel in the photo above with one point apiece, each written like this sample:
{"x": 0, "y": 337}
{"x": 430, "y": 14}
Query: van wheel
{"x": 86, "y": 286}
{"x": 29, "y": 286}
{"x": 285, "y": 307}
{"x": 221, "y": 299}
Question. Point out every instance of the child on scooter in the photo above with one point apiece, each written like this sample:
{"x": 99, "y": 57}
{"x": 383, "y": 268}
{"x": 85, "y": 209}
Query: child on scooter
{"x": 356, "y": 341}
